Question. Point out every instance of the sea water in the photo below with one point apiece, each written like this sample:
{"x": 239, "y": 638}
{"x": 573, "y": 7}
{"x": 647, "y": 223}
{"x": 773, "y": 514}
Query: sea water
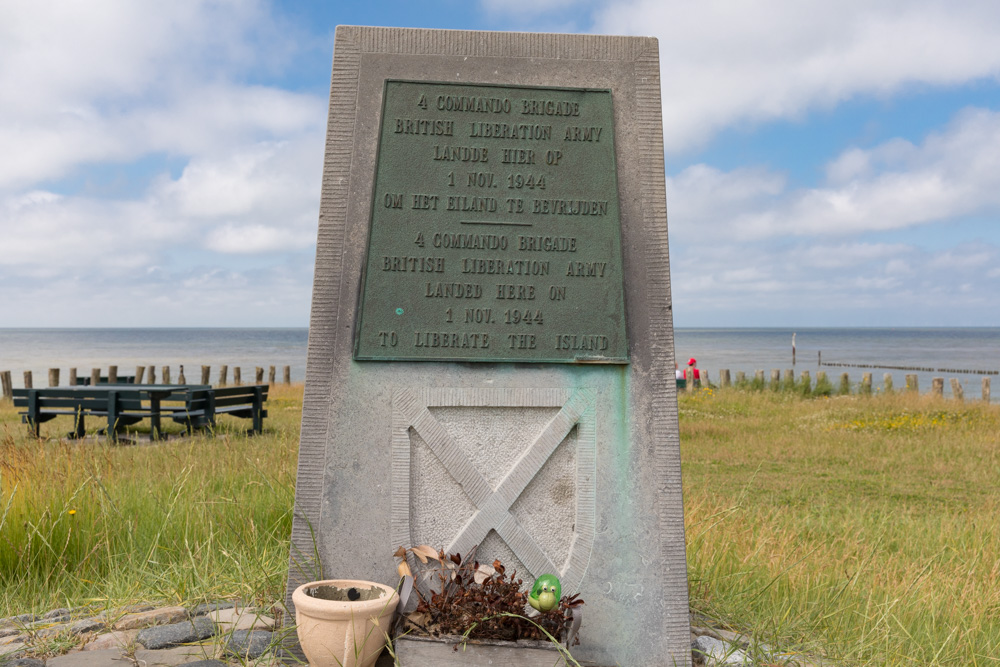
{"x": 963, "y": 353}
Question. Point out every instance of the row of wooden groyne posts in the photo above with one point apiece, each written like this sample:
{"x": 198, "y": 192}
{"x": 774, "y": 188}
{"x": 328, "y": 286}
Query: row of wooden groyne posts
{"x": 805, "y": 380}
{"x": 144, "y": 375}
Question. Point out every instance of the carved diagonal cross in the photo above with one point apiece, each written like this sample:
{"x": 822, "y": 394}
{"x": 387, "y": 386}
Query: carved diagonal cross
{"x": 493, "y": 506}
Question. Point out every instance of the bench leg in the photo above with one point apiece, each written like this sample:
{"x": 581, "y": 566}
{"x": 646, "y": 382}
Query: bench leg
{"x": 258, "y": 411}
{"x": 155, "y": 432}
{"x": 113, "y": 416}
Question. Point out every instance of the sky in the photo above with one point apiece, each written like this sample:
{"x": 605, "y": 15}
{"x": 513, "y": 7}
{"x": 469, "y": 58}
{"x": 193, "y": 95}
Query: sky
{"x": 828, "y": 164}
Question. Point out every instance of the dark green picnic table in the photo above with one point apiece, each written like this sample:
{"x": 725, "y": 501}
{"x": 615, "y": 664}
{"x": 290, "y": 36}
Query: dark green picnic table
{"x": 122, "y": 404}
{"x": 194, "y": 405}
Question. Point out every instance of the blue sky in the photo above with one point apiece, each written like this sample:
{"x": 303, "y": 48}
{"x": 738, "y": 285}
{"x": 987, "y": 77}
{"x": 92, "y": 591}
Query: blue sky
{"x": 828, "y": 164}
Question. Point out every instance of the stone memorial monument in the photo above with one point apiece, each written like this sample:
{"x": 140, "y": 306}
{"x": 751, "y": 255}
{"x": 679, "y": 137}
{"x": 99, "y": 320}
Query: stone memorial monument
{"x": 491, "y": 344}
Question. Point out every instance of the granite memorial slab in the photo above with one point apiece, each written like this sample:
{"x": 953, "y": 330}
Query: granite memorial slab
{"x": 490, "y": 352}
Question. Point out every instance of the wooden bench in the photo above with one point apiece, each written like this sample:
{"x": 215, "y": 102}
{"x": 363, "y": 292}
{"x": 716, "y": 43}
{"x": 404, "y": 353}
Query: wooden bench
{"x": 120, "y": 405}
{"x": 203, "y": 405}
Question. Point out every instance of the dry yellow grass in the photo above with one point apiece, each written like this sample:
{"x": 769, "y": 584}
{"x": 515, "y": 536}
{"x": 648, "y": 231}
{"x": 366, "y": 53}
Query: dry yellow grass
{"x": 861, "y": 527}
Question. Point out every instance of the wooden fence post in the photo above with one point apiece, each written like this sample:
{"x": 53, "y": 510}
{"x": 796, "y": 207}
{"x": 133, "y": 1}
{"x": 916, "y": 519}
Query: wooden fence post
{"x": 53, "y": 377}
{"x": 95, "y": 377}
{"x": 140, "y": 371}
{"x": 112, "y": 375}
{"x": 270, "y": 375}
{"x": 775, "y": 378}
{"x": 288, "y": 375}
{"x": 180, "y": 376}
{"x": 724, "y": 379}
{"x": 152, "y": 375}
{"x": 6, "y": 385}
{"x": 27, "y": 380}
{"x": 937, "y": 386}
{"x": 957, "y": 390}
{"x": 72, "y": 377}
{"x": 912, "y": 383}
{"x": 866, "y": 383}
{"x": 986, "y": 389}
{"x": 165, "y": 372}
{"x": 237, "y": 379}
{"x": 759, "y": 375}
{"x": 806, "y": 380}
{"x": 258, "y": 375}
{"x": 206, "y": 375}
{"x": 223, "y": 375}
{"x": 887, "y": 382}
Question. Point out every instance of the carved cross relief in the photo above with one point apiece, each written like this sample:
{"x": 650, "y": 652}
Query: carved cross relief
{"x": 484, "y": 503}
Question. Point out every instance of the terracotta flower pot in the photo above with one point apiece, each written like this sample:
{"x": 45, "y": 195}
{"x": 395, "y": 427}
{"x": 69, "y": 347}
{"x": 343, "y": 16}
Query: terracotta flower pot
{"x": 343, "y": 622}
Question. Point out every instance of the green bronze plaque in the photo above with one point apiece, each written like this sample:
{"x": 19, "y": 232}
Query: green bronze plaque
{"x": 495, "y": 230}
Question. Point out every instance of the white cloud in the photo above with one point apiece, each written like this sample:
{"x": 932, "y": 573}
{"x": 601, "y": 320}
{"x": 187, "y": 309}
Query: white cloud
{"x": 725, "y": 64}
{"x": 894, "y": 186}
{"x": 113, "y": 80}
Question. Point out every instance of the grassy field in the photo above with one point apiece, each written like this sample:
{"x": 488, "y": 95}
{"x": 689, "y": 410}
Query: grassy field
{"x": 193, "y": 519}
{"x": 863, "y": 528}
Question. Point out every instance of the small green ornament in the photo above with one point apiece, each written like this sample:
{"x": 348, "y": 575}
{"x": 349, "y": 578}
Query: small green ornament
{"x": 546, "y": 592}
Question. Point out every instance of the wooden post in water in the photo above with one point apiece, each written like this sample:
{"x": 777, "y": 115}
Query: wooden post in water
{"x": 140, "y": 371}
{"x": 937, "y": 386}
{"x": 957, "y": 390}
{"x": 793, "y": 350}
{"x": 72, "y": 377}
{"x": 887, "y": 382}
{"x": 53, "y": 377}
{"x": 911, "y": 382}
{"x": 237, "y": 379}
{"x": 206, "y": 374}
{"x": 258, "y": 375}
{"x": 724, "y": 380}
{"x": 270, "y": 375}
{"x": 819, "y": 357}
{"x": 112, "y": 375}
{"x": 986, "y": 389}
{"x": 95, "y": 377}
{"x": 287, "y": 375}
{"x": 180, "y": 376}
{"x": 866, "y": 383}
{"x": 28, "y": 384}
{"x": 165, "y": 372}
{"x": 6, "y": 385}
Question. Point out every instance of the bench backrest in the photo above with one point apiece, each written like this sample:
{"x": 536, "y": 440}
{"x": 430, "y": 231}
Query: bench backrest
{"x": 67, "y": 397}
{"x": 240, "y": 395}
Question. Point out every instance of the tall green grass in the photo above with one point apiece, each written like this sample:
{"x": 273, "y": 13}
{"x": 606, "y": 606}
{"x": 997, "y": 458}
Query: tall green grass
{"x": 91, "y": 523}
{"x": 860, "y": 527}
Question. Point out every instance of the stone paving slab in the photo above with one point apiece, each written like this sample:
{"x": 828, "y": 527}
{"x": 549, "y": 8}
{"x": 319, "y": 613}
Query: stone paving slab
{"x": 241, "y": 619}
{"x": 142, "y": 619}
{"x": 105, "y": 658}
{"x": 185, "y": 632}
{"x": 176, "y": 656}
{"x": 119, "y": 639}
